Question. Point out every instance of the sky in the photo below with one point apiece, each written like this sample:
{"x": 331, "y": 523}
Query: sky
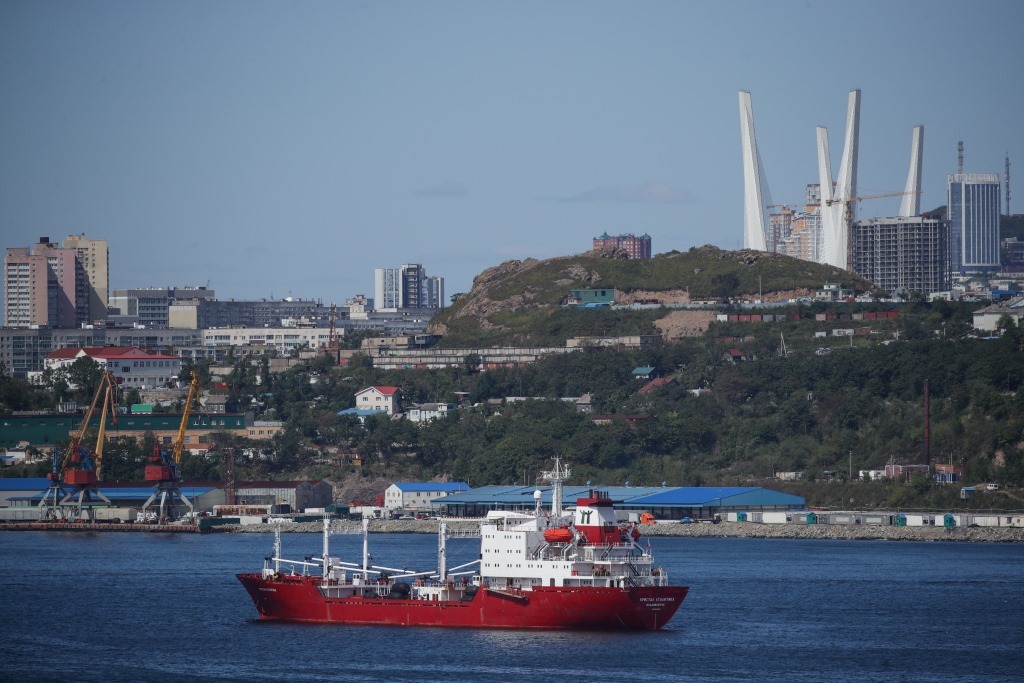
{"x": 274, "y": 149}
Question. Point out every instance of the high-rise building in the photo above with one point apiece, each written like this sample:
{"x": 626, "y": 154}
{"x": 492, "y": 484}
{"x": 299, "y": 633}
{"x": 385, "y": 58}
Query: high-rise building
{"x": 905, "y": 253}
{"x": 41, "y": 286}
{"x": 433, "y": 292}
{"x": 25, "y": 288}
{"x": 94, "y": 278}
{"x": 974, "y": 203}
{"x": 636, "y": 247}
{"x": 59, "y": 286}
{"x": 407, "y": 286}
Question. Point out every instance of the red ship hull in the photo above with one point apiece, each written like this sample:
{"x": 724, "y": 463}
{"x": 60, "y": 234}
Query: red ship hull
{"x": 297, "y": 598}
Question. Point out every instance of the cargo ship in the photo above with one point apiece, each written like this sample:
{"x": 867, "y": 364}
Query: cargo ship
{"x": 539, "y": 570}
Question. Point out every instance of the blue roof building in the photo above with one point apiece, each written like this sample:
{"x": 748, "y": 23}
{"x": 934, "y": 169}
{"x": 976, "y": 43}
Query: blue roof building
{"x": 419, "y": 495}
{"x": 696, "y": 502}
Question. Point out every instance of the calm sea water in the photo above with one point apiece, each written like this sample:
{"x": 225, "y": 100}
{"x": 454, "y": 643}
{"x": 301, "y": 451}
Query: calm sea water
{"x": 147, "y": 607}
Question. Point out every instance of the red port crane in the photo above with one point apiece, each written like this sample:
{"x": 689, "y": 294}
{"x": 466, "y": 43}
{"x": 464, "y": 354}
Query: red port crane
{"x": 81, "y": 468}
{"x": 162, "y": 467}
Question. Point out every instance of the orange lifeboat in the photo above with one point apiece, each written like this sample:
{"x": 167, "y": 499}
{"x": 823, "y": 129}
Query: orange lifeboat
{"x": 560, "y": 535}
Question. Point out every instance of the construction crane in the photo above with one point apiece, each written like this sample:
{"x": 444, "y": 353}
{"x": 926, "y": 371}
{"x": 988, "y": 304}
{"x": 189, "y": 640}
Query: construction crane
{"x": 81, "y": 469}
{"x": 163, "y": 466}
{"x": 848, "y": 215}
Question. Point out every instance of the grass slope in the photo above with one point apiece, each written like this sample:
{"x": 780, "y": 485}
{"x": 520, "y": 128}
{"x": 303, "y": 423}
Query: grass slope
{"x": 518, "y": 302}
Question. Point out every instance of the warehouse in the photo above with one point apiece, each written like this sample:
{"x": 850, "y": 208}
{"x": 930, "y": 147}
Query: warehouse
{"x": 666, "y": 503}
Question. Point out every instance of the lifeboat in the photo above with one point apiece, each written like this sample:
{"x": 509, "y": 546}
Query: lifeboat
{"x": 560, "y": 535}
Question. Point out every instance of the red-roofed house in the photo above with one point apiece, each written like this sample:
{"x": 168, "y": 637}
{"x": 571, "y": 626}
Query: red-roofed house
{"x": 130, "y": 365}
{"x": 378, "y": 398}
{"x": 654, "y": 384}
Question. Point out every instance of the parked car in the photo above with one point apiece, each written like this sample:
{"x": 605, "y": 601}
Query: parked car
{"x": 991, "y": 487}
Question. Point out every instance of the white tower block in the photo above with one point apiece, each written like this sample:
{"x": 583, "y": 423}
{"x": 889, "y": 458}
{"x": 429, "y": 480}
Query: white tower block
{"x": 911, "y": 204}
{"x": 756, "y": 197}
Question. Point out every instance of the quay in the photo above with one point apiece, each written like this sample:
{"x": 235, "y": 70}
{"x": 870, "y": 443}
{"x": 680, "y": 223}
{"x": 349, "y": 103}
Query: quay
{"x": 94, "y": 527}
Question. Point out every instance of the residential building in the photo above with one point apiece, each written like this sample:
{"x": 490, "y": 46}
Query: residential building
{"x": 803, "y": 241}
{"x": 425, "y": 412}
{"x": 93, "y": 257}
{"x": 407, "y": 286}
{"x": 902, "y": 254}
{"x": 987, "y": 319}
{"x": 26, "y": 278}
{"x": 41, "y": 286}
{"x": 636, "y": 247}
{"x": 974, "y": 201}
{"x": 383, "y": 398}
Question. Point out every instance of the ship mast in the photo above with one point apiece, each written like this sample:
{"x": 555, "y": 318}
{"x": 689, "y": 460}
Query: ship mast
{"x": 327, "y": 546}
{"x": 442, "y": 551}
{"x": 556, "y": 477}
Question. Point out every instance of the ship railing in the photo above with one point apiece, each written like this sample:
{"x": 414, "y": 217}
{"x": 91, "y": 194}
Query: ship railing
{"x": 463, "y": 533}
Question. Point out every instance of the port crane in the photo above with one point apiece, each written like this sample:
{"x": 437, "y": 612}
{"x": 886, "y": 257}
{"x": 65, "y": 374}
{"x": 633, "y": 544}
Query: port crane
{"x": 162, "y": 467}
{"x": 80, "y": 468}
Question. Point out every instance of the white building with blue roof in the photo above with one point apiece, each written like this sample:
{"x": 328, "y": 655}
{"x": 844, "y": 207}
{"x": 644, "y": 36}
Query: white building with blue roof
{"x": 410, "y": 495}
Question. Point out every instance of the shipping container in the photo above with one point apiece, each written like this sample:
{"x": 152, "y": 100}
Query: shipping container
{"x": 755, "y": 517}
{"x": 877, "y": 520}
{"x": 245, "y": 520}
{"x": 1013, "y": 521}
{"x": 773, "y": 517}
{"x": 984, "y": 520}
{"x": 835, "y": 518}
{"x": 915, "y": 520}
{"x": 19, "y": 514}
{"x": 115, "y": 514}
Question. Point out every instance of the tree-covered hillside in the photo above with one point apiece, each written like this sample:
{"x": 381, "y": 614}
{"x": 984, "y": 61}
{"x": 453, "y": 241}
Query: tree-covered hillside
{"x": 857, "y": 406}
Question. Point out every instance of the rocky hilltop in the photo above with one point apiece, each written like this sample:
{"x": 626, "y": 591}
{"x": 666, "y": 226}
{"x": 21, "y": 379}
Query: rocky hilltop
{"x": 519, "y": 302}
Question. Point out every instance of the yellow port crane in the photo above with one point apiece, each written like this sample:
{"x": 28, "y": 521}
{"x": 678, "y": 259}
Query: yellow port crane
{"x": 163, "y": 466}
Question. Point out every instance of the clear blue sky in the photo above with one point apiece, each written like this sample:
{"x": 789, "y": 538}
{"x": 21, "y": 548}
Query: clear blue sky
{"x": 276, "y": 148}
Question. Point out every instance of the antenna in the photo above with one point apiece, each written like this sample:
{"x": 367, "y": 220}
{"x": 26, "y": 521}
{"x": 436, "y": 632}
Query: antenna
{"x": 1007, "y": 176}
{"x": 960, "y": 158}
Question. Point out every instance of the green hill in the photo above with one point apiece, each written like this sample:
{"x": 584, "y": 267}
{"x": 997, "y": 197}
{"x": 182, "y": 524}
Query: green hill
{"x": 518, "y": 302}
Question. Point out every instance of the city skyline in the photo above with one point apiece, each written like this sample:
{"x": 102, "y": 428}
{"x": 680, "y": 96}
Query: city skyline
{"x": 271, "y": 150}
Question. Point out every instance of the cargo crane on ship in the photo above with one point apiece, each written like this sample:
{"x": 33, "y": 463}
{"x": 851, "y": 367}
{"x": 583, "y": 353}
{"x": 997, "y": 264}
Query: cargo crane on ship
{"x": 162, "y": 467}
{"x": 80, "y": 469}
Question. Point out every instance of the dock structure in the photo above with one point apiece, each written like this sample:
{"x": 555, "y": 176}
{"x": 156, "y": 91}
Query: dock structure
{"x": 93, "y": 527}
